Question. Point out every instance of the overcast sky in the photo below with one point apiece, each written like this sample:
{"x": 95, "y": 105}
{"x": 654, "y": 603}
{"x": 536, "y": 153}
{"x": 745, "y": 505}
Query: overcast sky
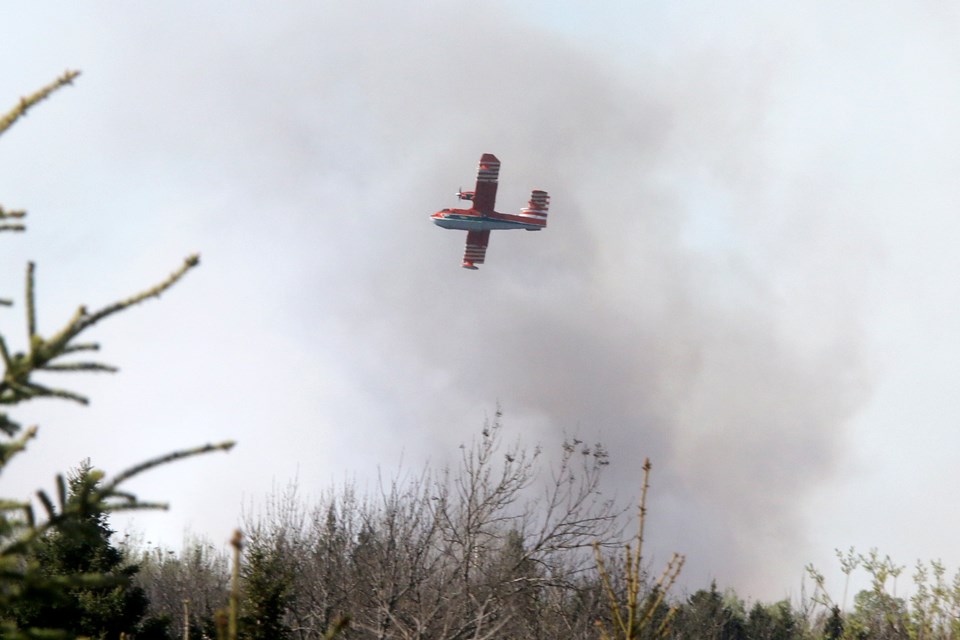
{"x": 750, "y": 272}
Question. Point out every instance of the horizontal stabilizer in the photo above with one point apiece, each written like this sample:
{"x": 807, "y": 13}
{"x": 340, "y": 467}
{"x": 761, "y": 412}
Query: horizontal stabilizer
{"x": 536, "y": 209}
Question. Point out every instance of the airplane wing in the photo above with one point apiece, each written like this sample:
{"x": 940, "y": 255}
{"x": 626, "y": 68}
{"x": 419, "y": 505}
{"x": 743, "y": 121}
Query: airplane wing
{"x": 485, "y": 195}
{"x": 476, "y": 247}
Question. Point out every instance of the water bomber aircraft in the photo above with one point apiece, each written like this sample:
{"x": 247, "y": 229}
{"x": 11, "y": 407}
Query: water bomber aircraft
{"x": 480, "y": 219}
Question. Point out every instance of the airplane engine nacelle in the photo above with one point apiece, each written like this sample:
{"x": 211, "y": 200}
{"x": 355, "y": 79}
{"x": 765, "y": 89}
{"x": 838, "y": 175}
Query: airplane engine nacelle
{"x": 465, "y": 195}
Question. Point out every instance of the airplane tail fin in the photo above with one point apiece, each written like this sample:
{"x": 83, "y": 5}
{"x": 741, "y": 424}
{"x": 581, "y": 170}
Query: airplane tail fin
{"x": 538, "y": 206}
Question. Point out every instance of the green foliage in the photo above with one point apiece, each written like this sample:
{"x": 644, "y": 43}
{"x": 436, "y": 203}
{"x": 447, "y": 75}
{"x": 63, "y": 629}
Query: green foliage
{"x": 82, "y": 547}
{"x": 709, "y": 615}
{"x": 59, "y": 576}
{"x": 935, "y": 611}
{"x": 267, "y": 591}
{"x": 931, "y": 613}
{"x": 772, "y": 622}
{"x": 877, "y": 614}
{"x": 833, "y": 627}
{"x": 24, "y": 583}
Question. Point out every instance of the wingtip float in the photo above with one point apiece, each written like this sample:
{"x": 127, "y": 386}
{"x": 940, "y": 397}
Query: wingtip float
{"x": 481, "y": 218}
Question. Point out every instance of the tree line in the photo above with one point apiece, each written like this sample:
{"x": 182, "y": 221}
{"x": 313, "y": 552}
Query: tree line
{"x": 498, "y": 546}
{"x": 484, "y": 550}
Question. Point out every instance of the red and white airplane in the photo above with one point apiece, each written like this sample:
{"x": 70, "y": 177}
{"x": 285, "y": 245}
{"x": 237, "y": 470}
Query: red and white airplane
{"x": 480, "y": 219}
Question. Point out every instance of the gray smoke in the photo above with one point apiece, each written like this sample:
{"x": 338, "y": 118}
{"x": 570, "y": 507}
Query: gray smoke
{"x": 685, "y": 304}
{"x": 697, "y": 297}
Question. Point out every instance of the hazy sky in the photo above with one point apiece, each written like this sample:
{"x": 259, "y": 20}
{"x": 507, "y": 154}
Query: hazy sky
{"x": 750, "y": 273}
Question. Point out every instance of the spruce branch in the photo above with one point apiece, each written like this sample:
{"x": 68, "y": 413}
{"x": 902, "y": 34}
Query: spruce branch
{"x": 31, "y": 305}
{"x": 19, "y": 391}
{"x": 17, "y": 384}
{"x": 34, "y": 390}
{"x": 10, "y": 449}
{"x": 81, "y": 366}
{"x": 8, "y": 426}
{"x": 13, "y": 213}
{"x": 110, "y": 488}
{"x": 47, "y": 503}
{"x": 7, "y": 120}
{"x": 73, "y": 348}
{"x": 136, "y": 506}
{"x": 62, "y": 491}
{"x": 83, "y": 320}
{"x": 94, "y": 495}
{"x": 27, "y": 102}
{"x": 5, "y": 354}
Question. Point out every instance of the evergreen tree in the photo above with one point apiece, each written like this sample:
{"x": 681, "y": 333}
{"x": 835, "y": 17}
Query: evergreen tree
{"x": 833, "y": 628}
{"x": 759, "y": 623}
{"x": 82, "y": 547}
{"x": 772, "y": 622}
{"x": 707, "y": 616}
{"x": 268, "y": 591}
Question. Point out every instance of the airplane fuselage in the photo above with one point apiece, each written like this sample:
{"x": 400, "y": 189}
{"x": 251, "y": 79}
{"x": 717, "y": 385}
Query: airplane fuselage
{"x": 473, "y": 220}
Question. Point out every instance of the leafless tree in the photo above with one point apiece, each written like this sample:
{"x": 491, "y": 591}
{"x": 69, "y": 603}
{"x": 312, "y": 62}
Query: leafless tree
{"x": 188, "y": 587}
{"x": 491, "y": 547}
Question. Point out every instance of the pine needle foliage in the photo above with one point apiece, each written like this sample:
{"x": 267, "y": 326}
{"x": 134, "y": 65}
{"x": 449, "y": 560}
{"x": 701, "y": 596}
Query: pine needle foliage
{"x": 23, "y": 529}
{"x": 82, "y": 546}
